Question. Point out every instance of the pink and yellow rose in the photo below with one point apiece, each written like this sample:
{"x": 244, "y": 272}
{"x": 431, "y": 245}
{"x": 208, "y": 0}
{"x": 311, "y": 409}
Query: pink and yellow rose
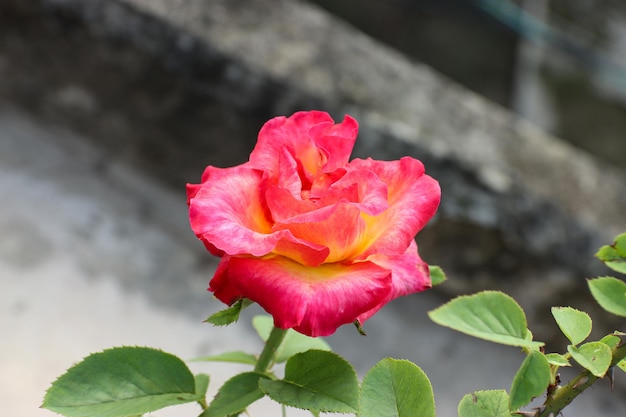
{"x": 316, "y": 239}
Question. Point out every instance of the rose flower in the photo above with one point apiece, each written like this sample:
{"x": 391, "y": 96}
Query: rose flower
{"x": 317, "y": 240}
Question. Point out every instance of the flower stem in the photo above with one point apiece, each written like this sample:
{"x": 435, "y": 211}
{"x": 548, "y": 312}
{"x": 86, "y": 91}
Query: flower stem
{"x": 565, "y": 395}
{"x": 271, "y": 346}
{"x": 203, "y": 404}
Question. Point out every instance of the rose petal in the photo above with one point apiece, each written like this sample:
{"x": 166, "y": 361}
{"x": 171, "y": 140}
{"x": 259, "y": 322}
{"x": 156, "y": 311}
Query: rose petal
{"x": 227, "y": 211}
{"x": 362, "y": 187}
{"x": 338, "y": 227}
{"x": 289, "y": 177}
{"x": 228, "y": 214}
{"x": 283, "y": 205}
{"x": 291, "y": 133}
{"x": 312, "y": 301}
{"x": 409, "y": 274}
{"x": 192, "y": 189}
{"x": 312, "y": 138}
{"x": 334, "y": 221}
{"x": 413, "y": 199}
{"x": 220, "y": 285}
{"x": 301, "y": 250}
{"x": 336, "y": 143}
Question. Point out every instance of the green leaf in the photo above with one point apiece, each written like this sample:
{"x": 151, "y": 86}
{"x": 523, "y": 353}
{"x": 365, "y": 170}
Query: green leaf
{"x": 228, "y": 315}
{"x": 575, "y": 324}
{"x": 263, "y": 325}
{"x": 485, "y": 404}
{"x": 123, "y": 381}
{"x": 437, "y": 276}
{"x": 202, "y": 384}
{"x": 234, "y": 357}
{"x": 614, "y": 256}
{"x": 611, "y": 340}
{"x": 610, "y": 293}
{"x": 593, "y": 356}
{"x": 235, "y": 395}
{"x": 529, "y": 337}
{"x": 557, "y": 359}
{"x": 293, "y": 343}
{"x": 316, "y": 380}
{"x": 530, "y": 381}
{"x": 396, "y": 388}
{"x": 489, "y": 315}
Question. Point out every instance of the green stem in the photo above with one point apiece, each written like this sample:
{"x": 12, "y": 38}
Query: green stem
{"x": 267, "y": 355}
{"x": 565, "y": 395}
{"x": 271, "y": 346}
{"x": 203, "y": 404}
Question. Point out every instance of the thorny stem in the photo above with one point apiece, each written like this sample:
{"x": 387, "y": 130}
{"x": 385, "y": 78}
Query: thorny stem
{"x": 563, "y": 396}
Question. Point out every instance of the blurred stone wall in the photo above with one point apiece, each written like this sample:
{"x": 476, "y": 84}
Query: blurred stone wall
{"x": 558, "y": 63}
{"x": 169, "y": 86}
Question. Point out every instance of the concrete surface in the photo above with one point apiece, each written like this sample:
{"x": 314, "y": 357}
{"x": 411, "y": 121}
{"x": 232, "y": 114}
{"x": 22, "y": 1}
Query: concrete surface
{"x": 93, "y": 255}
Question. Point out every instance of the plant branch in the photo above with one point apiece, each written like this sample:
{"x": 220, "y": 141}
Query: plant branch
{"x": 271, "y": 346}
{"x": 563, "y": 396}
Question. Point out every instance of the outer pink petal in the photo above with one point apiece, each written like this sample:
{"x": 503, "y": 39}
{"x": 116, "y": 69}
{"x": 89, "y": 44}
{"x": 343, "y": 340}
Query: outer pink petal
{"x": 228, "y": 212}
{"x": 312, "y": 301}
{"x": 409, "y": 274}
{"x": 229, "y": 215}
{"x": 413, "y": 199}
{"x": 220, "y": 285}
{"x": 192, "y": 189}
